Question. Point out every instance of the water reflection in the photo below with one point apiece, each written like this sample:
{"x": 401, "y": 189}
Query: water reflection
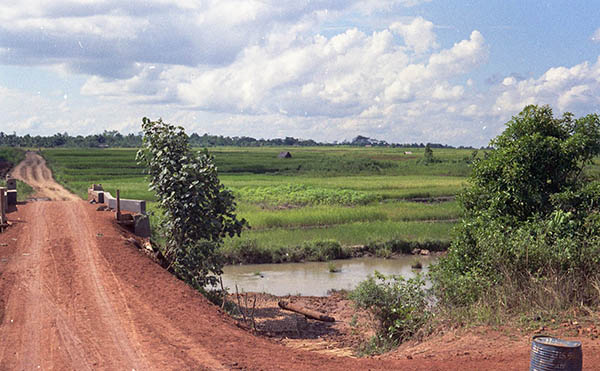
{"x": 314, "y": 278}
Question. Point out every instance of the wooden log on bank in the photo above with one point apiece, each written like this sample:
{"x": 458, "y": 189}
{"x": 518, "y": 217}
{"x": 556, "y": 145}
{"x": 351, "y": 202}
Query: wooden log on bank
{"x": 306, "y": 312}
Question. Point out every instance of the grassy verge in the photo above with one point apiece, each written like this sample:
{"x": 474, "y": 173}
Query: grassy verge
{"x": 351, "y": 233}
{"x": 378, "y": 238}
{"x": 24, "y": 191}
{"x": 250, "y": 252}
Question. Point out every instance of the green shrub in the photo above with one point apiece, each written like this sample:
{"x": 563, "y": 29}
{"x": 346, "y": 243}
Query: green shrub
{"x": 398, "y": 304}
{"x": 399, "y": 246}
{"x": 323, "y": 250}
{"x": 530, "y": 218}
{"x": 12, "y": 155}
{"x": 248, "y": 251}
{"x": 24, "y": 190}
{"x": 193, "y": 263}
{"x": 383, "y": 252}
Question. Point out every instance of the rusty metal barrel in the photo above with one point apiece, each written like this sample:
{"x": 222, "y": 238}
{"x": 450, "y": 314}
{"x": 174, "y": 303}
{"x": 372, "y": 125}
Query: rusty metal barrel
{"x": 549, "y": 354}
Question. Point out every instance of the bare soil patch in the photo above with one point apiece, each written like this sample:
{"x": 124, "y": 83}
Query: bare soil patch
{"x": 342, "y": 337}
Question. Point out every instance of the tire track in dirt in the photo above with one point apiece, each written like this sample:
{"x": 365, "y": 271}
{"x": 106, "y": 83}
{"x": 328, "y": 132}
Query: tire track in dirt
{"x": 61, "y": 315}
{"x": 35, "y": 331}
{"x": 33, "y": 171}
{"x": 18, "y": 311}
{"x": 88, "y": 259}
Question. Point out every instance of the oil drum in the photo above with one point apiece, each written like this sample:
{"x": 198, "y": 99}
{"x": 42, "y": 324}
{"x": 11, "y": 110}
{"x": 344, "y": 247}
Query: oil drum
{"x": 550, "y": 354}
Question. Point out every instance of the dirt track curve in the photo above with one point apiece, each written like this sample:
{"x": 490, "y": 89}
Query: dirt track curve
{"x": 75, "y": 295}
{"x": 33, "y": 171}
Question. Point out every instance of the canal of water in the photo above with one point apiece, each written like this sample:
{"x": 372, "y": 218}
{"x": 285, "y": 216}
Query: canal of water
{"x": 314, "y": 278}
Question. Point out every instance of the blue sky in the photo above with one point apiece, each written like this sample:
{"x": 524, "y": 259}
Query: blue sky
{"x": 401, "y": 70}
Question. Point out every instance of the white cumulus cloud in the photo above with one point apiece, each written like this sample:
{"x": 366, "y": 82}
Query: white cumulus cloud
{"x": 417, "y": 34}
{"x": 569, "y": 89}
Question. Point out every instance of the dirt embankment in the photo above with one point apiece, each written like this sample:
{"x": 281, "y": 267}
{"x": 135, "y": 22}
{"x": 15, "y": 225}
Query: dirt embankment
{"x": 33, "y": 171}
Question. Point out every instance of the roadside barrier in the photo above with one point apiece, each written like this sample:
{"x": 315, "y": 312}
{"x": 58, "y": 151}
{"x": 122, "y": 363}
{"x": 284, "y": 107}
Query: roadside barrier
{"x": 139, "y": 220}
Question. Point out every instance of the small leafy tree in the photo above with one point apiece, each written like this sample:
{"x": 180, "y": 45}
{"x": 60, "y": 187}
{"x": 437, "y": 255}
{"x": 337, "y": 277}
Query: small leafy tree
{"x": 198, "y": 211}
{"x": 428, "y": 155}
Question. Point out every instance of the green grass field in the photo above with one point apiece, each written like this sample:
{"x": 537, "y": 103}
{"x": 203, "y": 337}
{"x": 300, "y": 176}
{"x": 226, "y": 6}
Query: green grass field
{"x": 350, "y": 195}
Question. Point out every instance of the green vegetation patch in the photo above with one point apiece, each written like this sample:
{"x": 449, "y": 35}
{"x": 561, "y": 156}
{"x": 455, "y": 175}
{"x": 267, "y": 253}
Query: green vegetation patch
{"x": 261, "y": 218}
{"x": 12, "y": 155}
{"x": 400, "y": 307}
{"x": 377, "y": 235}
{"x": 380, "y": 186}
{"x": 248, "y": 251}
{"x": 303, "y": 195}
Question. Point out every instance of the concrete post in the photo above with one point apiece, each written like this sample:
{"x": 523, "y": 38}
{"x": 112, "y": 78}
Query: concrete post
{"x": 118, "y": 205}
{"x": 11, "y": 183}
{"x": 3, "y": 205}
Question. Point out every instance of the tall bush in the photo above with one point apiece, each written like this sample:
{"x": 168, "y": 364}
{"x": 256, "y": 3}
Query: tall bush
{"x": 399, "y": 305}
{"x": 198, "y": 211}
{"x": 529, "y": 213}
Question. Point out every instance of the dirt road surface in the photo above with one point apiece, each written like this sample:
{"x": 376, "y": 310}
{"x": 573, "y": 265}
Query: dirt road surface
{"x": 33, "y": 171}
{"x": 75, "y": 295}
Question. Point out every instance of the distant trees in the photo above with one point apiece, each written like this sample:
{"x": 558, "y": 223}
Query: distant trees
{"x": 107, "y": 138}
{"x": 112, "y": 138}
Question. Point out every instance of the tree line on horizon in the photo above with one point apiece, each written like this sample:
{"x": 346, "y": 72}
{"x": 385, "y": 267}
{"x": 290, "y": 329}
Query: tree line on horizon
{"x": 113, "y": 138}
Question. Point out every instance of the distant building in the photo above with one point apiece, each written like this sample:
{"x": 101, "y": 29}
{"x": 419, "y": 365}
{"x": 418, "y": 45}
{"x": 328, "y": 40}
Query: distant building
{"x": 407, "y": 152}
{"x": 284, "y": 154}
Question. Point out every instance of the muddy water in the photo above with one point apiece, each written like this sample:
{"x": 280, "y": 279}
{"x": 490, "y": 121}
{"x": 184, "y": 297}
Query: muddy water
{"x": 314, "y": 278}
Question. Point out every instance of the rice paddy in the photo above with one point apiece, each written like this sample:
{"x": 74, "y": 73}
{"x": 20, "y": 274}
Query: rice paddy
{"x": 350, "y": 195}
